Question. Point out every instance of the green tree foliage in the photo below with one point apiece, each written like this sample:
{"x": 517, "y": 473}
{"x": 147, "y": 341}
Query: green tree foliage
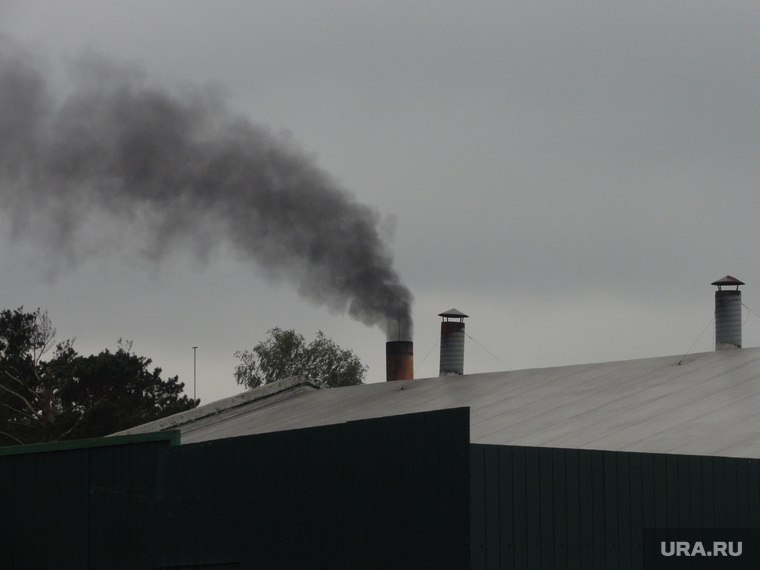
{"x": 69, "y": 396}
{"x": 285, "y": 353}
{"x": 113, "y": 391}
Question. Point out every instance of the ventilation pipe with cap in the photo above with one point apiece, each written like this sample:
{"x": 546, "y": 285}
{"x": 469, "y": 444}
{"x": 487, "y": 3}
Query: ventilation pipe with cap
{"x": 452, "y": 343}
{"x": 728, "y": 314}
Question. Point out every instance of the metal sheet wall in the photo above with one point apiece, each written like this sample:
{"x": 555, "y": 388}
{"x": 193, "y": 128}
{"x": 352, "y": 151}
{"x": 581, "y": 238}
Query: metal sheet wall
{"x": 383, "y": 493}
{"x": 544, "y": 508}
{"x": 78, "y": 504}
{"x": 40, "y": 493}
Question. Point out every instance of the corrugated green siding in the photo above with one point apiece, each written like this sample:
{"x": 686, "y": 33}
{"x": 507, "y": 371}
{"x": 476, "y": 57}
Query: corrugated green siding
{"x": 71, "y": 506}
{"x": 542, "y": 508}
{"x": 384, "y": 493}
{"x": 389, "y": 493}
{"x": 48, "y": 493}
{"x": 122, "y": 484}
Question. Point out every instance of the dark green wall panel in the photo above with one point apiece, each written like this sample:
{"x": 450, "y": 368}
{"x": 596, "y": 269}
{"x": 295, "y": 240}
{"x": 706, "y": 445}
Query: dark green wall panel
{"x": 385, "y": 493}
{"x": 566, "y": 508}
{"x": 77, "y": 504}
{"x": 559, "y": 511}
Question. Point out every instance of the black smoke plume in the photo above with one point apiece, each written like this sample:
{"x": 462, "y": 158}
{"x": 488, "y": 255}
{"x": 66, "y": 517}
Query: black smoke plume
{"x": 182, "y": 170}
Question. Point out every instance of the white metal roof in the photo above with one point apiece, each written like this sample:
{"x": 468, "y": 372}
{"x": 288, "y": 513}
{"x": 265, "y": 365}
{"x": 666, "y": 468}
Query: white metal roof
{"x": 701, "y": 404}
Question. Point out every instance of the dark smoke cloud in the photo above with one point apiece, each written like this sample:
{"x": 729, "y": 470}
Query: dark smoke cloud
{"x": 181, "y": 169}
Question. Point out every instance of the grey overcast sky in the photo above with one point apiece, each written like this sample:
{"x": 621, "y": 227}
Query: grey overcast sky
{"x": 572, "y": 175}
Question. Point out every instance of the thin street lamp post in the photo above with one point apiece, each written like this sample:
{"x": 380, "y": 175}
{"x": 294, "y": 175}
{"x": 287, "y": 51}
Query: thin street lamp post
{"x": 194, "y": 371}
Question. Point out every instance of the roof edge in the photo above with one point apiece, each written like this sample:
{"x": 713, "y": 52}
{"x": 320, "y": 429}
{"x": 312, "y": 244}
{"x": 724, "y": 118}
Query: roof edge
{"x": 190, "y": 416}
{"x": 167, "y": 437}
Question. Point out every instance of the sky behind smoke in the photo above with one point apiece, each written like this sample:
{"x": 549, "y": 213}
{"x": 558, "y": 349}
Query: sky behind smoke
{"x": 182, "y": 171}
{"x": 572, "y": 176}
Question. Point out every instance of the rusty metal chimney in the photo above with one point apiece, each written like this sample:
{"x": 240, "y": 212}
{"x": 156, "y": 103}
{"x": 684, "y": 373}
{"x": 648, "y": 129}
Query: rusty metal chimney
{"x": 728, "y": 314}
{"x": 452, "y": 343}
{"x": 399, "y": 360}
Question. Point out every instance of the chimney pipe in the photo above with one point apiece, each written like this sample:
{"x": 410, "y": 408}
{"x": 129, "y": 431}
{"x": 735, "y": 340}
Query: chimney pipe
{"x": 452, "y": 343}
{"x": 728, "y": 314}
{"x": 399, "y": 360}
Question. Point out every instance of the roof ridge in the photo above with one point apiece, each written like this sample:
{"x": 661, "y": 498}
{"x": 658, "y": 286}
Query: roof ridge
{"x": 223, "y": 405}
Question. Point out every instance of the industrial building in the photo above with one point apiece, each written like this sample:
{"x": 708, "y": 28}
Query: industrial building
{"x": 564, "y": 467}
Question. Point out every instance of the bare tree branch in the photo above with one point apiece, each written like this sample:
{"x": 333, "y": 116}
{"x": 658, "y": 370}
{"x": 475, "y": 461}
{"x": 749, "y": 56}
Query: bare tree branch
{"x": 17, "y": 440}
{"x": 28, "y": 405}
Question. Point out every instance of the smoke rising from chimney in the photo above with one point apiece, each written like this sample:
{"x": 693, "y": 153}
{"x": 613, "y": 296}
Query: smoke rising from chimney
{"x": 181, "y": 169}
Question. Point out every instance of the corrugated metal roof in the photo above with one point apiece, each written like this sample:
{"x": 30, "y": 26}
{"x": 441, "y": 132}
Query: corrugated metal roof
{"x": 702, "y": 404}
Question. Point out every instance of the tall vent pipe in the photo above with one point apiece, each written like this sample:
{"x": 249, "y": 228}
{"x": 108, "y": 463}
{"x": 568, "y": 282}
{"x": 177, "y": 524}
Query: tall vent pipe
{"x": 399, "y": 360}
{"x": 728, "y": 314}
{"x": 452, "y": 343}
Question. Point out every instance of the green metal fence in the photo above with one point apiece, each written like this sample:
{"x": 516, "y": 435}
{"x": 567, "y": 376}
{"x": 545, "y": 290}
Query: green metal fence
{"x": 544, "y": 508}
{"x": 385, "y": 493}
{"x": 78, "y": 504}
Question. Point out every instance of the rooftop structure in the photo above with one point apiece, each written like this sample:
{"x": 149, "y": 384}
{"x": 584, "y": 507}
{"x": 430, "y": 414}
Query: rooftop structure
{"x": 701, "y": 404}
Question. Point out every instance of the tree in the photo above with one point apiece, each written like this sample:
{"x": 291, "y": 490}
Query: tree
{"x": 113, "y": 391}
{"x": 284, "y": 353}
{"x": 28, "y": 386}
{"x": 71, "y": 396}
